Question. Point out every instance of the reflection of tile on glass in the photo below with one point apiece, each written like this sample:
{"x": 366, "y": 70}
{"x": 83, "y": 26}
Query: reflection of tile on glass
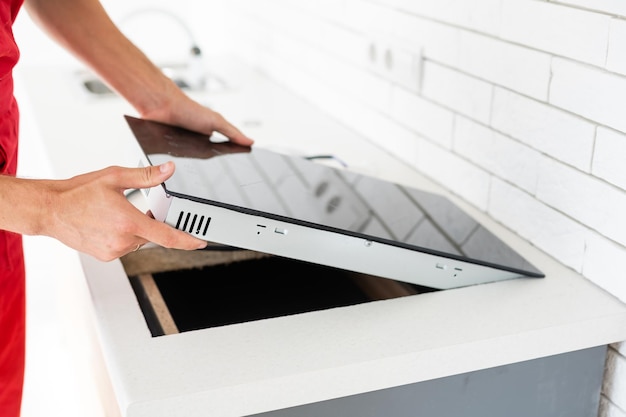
{"x": 485, "y": 246}
{"x": 394, "y": 209}
{"x": 427, "y": 236}
{"x": 455, "y": 222}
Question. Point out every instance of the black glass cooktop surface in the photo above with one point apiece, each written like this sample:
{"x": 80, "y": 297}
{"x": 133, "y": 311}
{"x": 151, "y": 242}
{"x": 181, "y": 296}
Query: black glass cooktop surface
{"x": 257, "y": 180}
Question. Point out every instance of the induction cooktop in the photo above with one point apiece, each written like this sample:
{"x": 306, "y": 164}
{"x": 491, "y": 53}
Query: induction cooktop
{"x": 257, "y": 199}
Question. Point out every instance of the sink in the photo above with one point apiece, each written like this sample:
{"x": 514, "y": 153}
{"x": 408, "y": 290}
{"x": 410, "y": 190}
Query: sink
{"x": 98, "y": 87}
{"x": 180, "y": 74}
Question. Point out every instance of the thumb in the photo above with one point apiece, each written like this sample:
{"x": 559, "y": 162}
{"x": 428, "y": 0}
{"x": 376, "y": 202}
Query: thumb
{"x": 153, "y": 175}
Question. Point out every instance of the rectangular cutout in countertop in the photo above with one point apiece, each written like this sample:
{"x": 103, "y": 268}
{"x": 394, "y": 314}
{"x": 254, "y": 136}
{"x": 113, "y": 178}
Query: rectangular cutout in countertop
{"x": 264, "y": 287}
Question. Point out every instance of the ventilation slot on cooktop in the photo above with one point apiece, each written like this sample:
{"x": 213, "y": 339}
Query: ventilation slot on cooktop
{"x": 193, "y": 223}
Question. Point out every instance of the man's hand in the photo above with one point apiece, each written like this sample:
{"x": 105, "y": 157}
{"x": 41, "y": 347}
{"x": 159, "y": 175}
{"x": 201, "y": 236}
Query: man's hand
{"x": 91, "y": 214}
{"x": 180, "y": 110}
{"x": 95, "y": 40}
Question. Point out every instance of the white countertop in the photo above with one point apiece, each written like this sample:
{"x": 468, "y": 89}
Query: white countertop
{"x": 271, "y": 364}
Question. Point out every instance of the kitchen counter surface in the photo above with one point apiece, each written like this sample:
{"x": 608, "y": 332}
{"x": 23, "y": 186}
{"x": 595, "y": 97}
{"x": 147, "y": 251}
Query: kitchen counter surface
{"x": 265, "y": 365}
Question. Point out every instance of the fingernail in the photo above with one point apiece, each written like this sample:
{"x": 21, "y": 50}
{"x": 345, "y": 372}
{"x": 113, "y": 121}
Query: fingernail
{"x": 166, "y": 167}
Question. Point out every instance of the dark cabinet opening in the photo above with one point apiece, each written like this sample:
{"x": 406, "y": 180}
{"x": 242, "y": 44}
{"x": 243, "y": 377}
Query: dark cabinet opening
{"x": 206, "y": 289}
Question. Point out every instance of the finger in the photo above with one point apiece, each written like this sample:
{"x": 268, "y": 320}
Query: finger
{"x": 236, "y": 136}
{"x": 231, "y": 132}
{"x": 166, "y": 236}
{"x": 153, "y": 230}
{"x": 145, "y": 177}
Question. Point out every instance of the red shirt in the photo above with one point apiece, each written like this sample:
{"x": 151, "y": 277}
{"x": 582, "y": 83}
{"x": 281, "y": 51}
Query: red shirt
{"x": 9, "y": 54}
{"x": 12, "y": 282}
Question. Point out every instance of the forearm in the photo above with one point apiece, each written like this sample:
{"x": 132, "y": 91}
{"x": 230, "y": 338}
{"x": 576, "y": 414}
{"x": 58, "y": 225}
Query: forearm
{"x": 24, "y": 204}
{"x": 95, "y": 40}
{"x": 89, "y": 212}
{"x": 84, "y": 28}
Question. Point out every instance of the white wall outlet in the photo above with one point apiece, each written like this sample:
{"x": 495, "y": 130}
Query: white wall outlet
{"x": 397, "y": 61}
{"x": 375, "y": 55}
{"x": 405, "y": 66}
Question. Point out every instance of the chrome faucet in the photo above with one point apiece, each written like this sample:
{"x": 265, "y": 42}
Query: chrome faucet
{"x": 194, "y": 74}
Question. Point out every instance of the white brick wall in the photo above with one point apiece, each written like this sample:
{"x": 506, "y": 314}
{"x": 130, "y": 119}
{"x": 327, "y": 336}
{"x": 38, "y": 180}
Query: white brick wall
{"x": 614, "y": 388}
{"x": 457, "y": 91}
{"x": 608, "y": 158}
{"x": 616, "y": 56}
{"x": 590, "y": 92}
{"x": 422, "y": 116}
{"x": 556, "y": 133}
{"x": 584, "y": 198}
{"x": 532, "y": 23}
{"x": 483, "y": 146}
{"x": 518, "y": 101}
{"x": 617, "y": 7}
{"x": 516, "y": 67}
{"x": 545, "y": 227}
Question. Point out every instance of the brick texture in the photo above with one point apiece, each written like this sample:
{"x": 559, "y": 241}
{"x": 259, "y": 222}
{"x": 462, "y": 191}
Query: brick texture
{"x": 512, "y": 100}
